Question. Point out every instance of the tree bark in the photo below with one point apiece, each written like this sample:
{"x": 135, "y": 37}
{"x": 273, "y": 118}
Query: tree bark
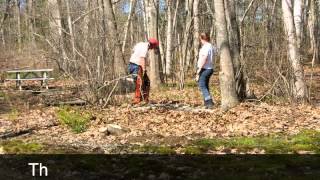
{"x": 314, "y": 30}
{"x": 152, "y": 25}
{"x": 119, "y": 65}
{"x": 30, "y": 22}
{"x": 57, "y": 31}
{"x": 169, "y": 38}
{"x": 299, "y": 87}
{"x": 196, "y": 33}
{"x": 241, "y": 78}
{"x": 18, "y": 16}
{"x": 229, "y": 97}
{"x": 70, "y": 27}
{"x": 297, "y": 13}
{"x": 131, "y": 11}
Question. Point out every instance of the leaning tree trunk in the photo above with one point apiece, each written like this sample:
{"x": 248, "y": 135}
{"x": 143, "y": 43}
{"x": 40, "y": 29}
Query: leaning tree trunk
{"x": 299, "y": 87}
{"x": 119, "y": 65}
{"x": 229, "y": 96}
{"x": 151, "y": 7}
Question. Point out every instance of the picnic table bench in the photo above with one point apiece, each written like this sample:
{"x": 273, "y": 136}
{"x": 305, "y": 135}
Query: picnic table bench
{"x": 24, "y": 75}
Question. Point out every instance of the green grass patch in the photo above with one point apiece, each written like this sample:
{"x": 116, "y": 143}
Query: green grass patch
{"x": 20, "y": 147}
{"x": 308, "y": 140}
{"x": 154, "y": 149}
{"x": 77, "y": 120}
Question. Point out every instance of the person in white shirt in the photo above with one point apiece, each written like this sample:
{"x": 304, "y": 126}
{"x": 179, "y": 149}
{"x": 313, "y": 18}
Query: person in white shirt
{"x": 137, "y": 67}
{"x": 205, "y": 68}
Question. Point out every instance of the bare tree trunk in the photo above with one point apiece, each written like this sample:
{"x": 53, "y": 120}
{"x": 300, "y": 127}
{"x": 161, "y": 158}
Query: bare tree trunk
{"x": 314, "y": 29}
{"x": 297, "y": 13}
{"x": 70, "y": 26}
{"x": 3, "y": 20}
{"x": 57, "y": 32}
{"x": 229, "y": 97}
{"x": 186, "y": 38}
{"x": 30, "y": 22}
{"x": 299, "y": 89}
{"x": 169, "y": 38}
{"x": 269, "y": 28}
{"x": 131, "y": 11}
{"x": 119, "y": 65}
{"x": 241, "y": 78}
{"x": 18, "y": 16}
{"x": 196, "y": 28}
{"x": 152, "y": 24}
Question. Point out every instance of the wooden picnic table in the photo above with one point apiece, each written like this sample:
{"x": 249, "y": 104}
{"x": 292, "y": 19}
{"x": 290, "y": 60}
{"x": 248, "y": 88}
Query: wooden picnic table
{"x": 24, "y": 75}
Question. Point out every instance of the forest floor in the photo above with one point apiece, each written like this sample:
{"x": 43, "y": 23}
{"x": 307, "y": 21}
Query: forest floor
{"x": 175, "y": 123}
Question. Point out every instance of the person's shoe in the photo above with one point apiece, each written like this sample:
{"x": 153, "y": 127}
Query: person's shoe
{"x": 208, "y": 104}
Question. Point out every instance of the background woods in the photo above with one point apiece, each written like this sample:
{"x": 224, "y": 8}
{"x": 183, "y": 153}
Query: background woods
{"x": 266, "y": 41}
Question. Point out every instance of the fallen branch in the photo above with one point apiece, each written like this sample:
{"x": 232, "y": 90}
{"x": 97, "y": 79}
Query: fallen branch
{"x": 12, "y": 133}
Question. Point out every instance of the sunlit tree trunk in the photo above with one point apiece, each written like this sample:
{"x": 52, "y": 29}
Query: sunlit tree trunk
{"x": 297, "y": 13}
{"x": 169, "y": 38}
{"x": 229, "y": 96}
{"x": 57, "y": 31}
{"x": 196, "y": 31}
{"x": 71, "y": 31}
{"x": 299, "y": 90}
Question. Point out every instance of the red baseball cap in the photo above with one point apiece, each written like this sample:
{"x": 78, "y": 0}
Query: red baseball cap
{"x": 153, "y": 42}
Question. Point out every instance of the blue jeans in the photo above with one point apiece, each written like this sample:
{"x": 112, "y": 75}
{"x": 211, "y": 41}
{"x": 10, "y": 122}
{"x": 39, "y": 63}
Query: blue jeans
{"x": 133, "y": 69}
{"x": 203, "y": 83}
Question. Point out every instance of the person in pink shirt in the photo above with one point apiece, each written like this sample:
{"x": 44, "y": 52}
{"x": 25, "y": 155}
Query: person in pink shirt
{"x": 137, "y": 67}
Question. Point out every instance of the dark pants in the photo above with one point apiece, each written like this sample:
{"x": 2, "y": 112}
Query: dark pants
{"x": 142, "y": 83}
{"x": 203, "y": 83}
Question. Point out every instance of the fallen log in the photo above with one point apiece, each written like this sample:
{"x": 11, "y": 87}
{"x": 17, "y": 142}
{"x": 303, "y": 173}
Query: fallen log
{"x": 77, "y": 102}
{"x": 12, "y": 134}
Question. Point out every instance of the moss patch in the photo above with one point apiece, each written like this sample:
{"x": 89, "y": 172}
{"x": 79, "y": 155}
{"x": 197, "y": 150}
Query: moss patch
{"x": 154, "y": 149}
{"x": 18, "y": 147}
{"x": 308, "y": 140}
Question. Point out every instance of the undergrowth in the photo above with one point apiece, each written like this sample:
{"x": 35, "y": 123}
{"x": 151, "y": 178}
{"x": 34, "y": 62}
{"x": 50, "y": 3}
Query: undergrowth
{"x": 77, "y": 120}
